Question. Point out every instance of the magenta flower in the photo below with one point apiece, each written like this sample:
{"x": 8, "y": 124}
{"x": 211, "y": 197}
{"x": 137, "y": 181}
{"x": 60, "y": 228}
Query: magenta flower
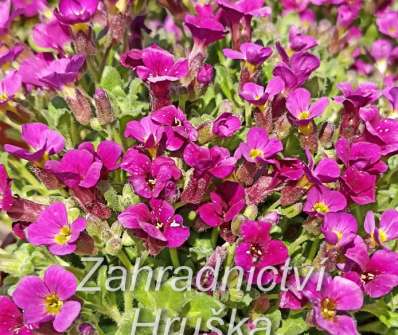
{"x": 108, "y": 153}
{"x": 52, "y": 229}
{"x": 205, "y": 74}
{"x": 294, "y": 71}
{"x": 387, "y": 229}
{"x": 348, "y": 13}
{"x": 363, "y": 156}
{"x": 383, "y": 131}
{"x": 53, "y": 74}
{"x": 205, "y": 27}
{"x": 160, "y": 66}
{"x": 226, "y": 125}
{"x": 321, "y": 200}
{"x": 226, "y": 203}
{"x": 11, "y": 320}
{"x": 8, "y": 55}
{"x": 339, "y": 228}
{"x": 216, "y": 160}
{"x": 177, "y": 128}
{"x": 258, "y": 146}
{"x": 295, "y": 5}
{"x": 78, "y": 167}
{"x": 359, "y": 186}
{"x": 252, "y": 53}
{"x": 5, "y": 190}
{"x": 5, "y": 16}
{"x": 337, "y": 295}
{"x": 131, "y": 59}
{"x": 158, "y": 225}
{"x": 73, "y": 11}
{"x": 391, "y": 93}
{"x": 299, "y": 107}
{"x": 361, "y": 95}
{"x": 387, "y": 22}
{"x": 29, "y": 8}
{"x": 9, "y": 86}
{"x": 377, "y": 274}
{"x": 235, "y": 10}
{"x": 326, "y": 171}
{"x": 48, "y": 298}
{"x": 150, "y": 178}
{"x": 381, "y": 49}
{"x": 258, "y": 250}
{"x": 299, "y": 41}
{"x": 258, "y": 95}
{"x": 51, "y": 35}
{"x": 43, "y": 140}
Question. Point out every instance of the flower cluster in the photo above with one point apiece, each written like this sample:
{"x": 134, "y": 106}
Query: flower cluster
{"x": 251, "y": 132}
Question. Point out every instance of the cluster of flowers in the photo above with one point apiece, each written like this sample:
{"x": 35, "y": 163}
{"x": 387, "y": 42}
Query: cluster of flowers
{"x": 217, "y": 176}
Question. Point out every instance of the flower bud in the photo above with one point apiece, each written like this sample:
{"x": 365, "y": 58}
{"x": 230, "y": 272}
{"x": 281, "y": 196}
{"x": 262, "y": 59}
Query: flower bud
{"x": 117, "y": 26}
{"x": 113, "y": 246}
{"x": 205, "y": 133}
{"x": 251, "y": 212}
{"x": 84, "y": 43}
{"x": 80, "y": 106}
{"x": 205, "y": 74}
{"x": 103, "y": 106}
{"x": 326, "y": 134}
{"x": 87, "y": 329}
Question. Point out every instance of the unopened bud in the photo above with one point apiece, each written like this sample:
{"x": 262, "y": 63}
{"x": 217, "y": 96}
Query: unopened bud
{"x": 87, "y": 329}
{"x": 117, "y": 25}
{"x": 205, "y": 74}
{"x": 84, "y": 43}
{"x": 236, "y": 223}
{"x": 326, "y": 134}
{"x": 251, "y": 212}
{"x": 80, "y": 106}
{"x": 103, "y": 107}
{"x": 113, "y": 246}
{"x": 205, "y": 133}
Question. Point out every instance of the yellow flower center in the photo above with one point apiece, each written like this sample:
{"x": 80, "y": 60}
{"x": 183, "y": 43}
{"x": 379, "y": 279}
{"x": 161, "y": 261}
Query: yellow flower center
{"x": 254, "y": 153}
{"x": 392, "y": 30}
{"x": 304, "y": 115}
{"x": 80, "y": 27}
{"x": 382, "y": 236}
{"x": 321, "y": 207}
{"x": 339, "y": 234}
{"x": 63, "y": 236}
{"x": 53, "y": 304}
{"x": 328, "y": 309}
{"x": 3, "y": 96}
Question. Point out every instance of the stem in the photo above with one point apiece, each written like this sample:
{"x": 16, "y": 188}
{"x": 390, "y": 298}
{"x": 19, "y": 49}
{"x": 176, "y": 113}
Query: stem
{"x": 231, "y": 255}
{"x": 174, "y": 258}
{"x": 128, "y": 295}
{"x": 314, "y": 249}
{"x": 214, "y": 236}
{"x": 293, "y": 246}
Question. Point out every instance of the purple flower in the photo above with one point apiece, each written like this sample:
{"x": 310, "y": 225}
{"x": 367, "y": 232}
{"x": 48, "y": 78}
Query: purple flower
{"x": 226, "y": 125}
{"x": 326, "y": 171}
{"x": 78, "y": 167}
{"x": 73, "y": 11}
{"x": 150, "y": 178}
{"x": 43, "y": 140}
{"x": 337, "y": 295}
{"x": 348, "y": 13}
{"x": 48, "y": 298}
{"x": 294, "y": 71}
{"x": 5, "y": 16}
{"x": 298, "y": 105}
{"x": 391, "y": 93}
{"x": 131, "y": 59}
{"x": 295, "y": 5}
{"x": 51, "y": 35}
{"x": 377, "y": 274}
{"x": 383, "y": 131}
{"x": 381, "y": 49}
{"x": 11, "y": 320}
{"x": 258, "y": 146}
{"x": 9, "y": 86}
{"x": 387, "y": 229}
{"x": 235, "y": 10}
{"x": 252, "y": 53}
{"x": 361, "y": 95}
{"x": 363, "y": 156}
{"x": 205, "y": 74}
{"x": 339, "y": 228}
{"x": 8, "y": 55}
{"x": 216, "y": 160}
{"x": 205, "y": 27}
{"x": 54, "y": 74}
{"x": 300, "y": 42}
{"x": 258, "y": 95}
{"x": 258, "y": 250}
{"x": 146, "y": 132}
{"x": 158, "y": 225}
{"x": 387, "y": 22}
{"x": 226, "y": 203}
{"x": 160, "y": 66}
{"x": 359, "y": 186}
{"x": 29, "y": 8}
{"x": 108, "y": 153}
{"x": 177, "y": 128}
{"x": 53, "y": 230}
{"x": 5, "y": 190}
{"x": 321, "y": 200}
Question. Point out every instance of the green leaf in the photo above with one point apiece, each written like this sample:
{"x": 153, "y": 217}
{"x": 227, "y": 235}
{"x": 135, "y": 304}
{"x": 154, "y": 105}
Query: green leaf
{"x": 293, "y": 326}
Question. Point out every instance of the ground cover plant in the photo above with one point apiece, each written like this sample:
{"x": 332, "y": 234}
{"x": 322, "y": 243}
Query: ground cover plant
{"x": 198, "y": 167}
